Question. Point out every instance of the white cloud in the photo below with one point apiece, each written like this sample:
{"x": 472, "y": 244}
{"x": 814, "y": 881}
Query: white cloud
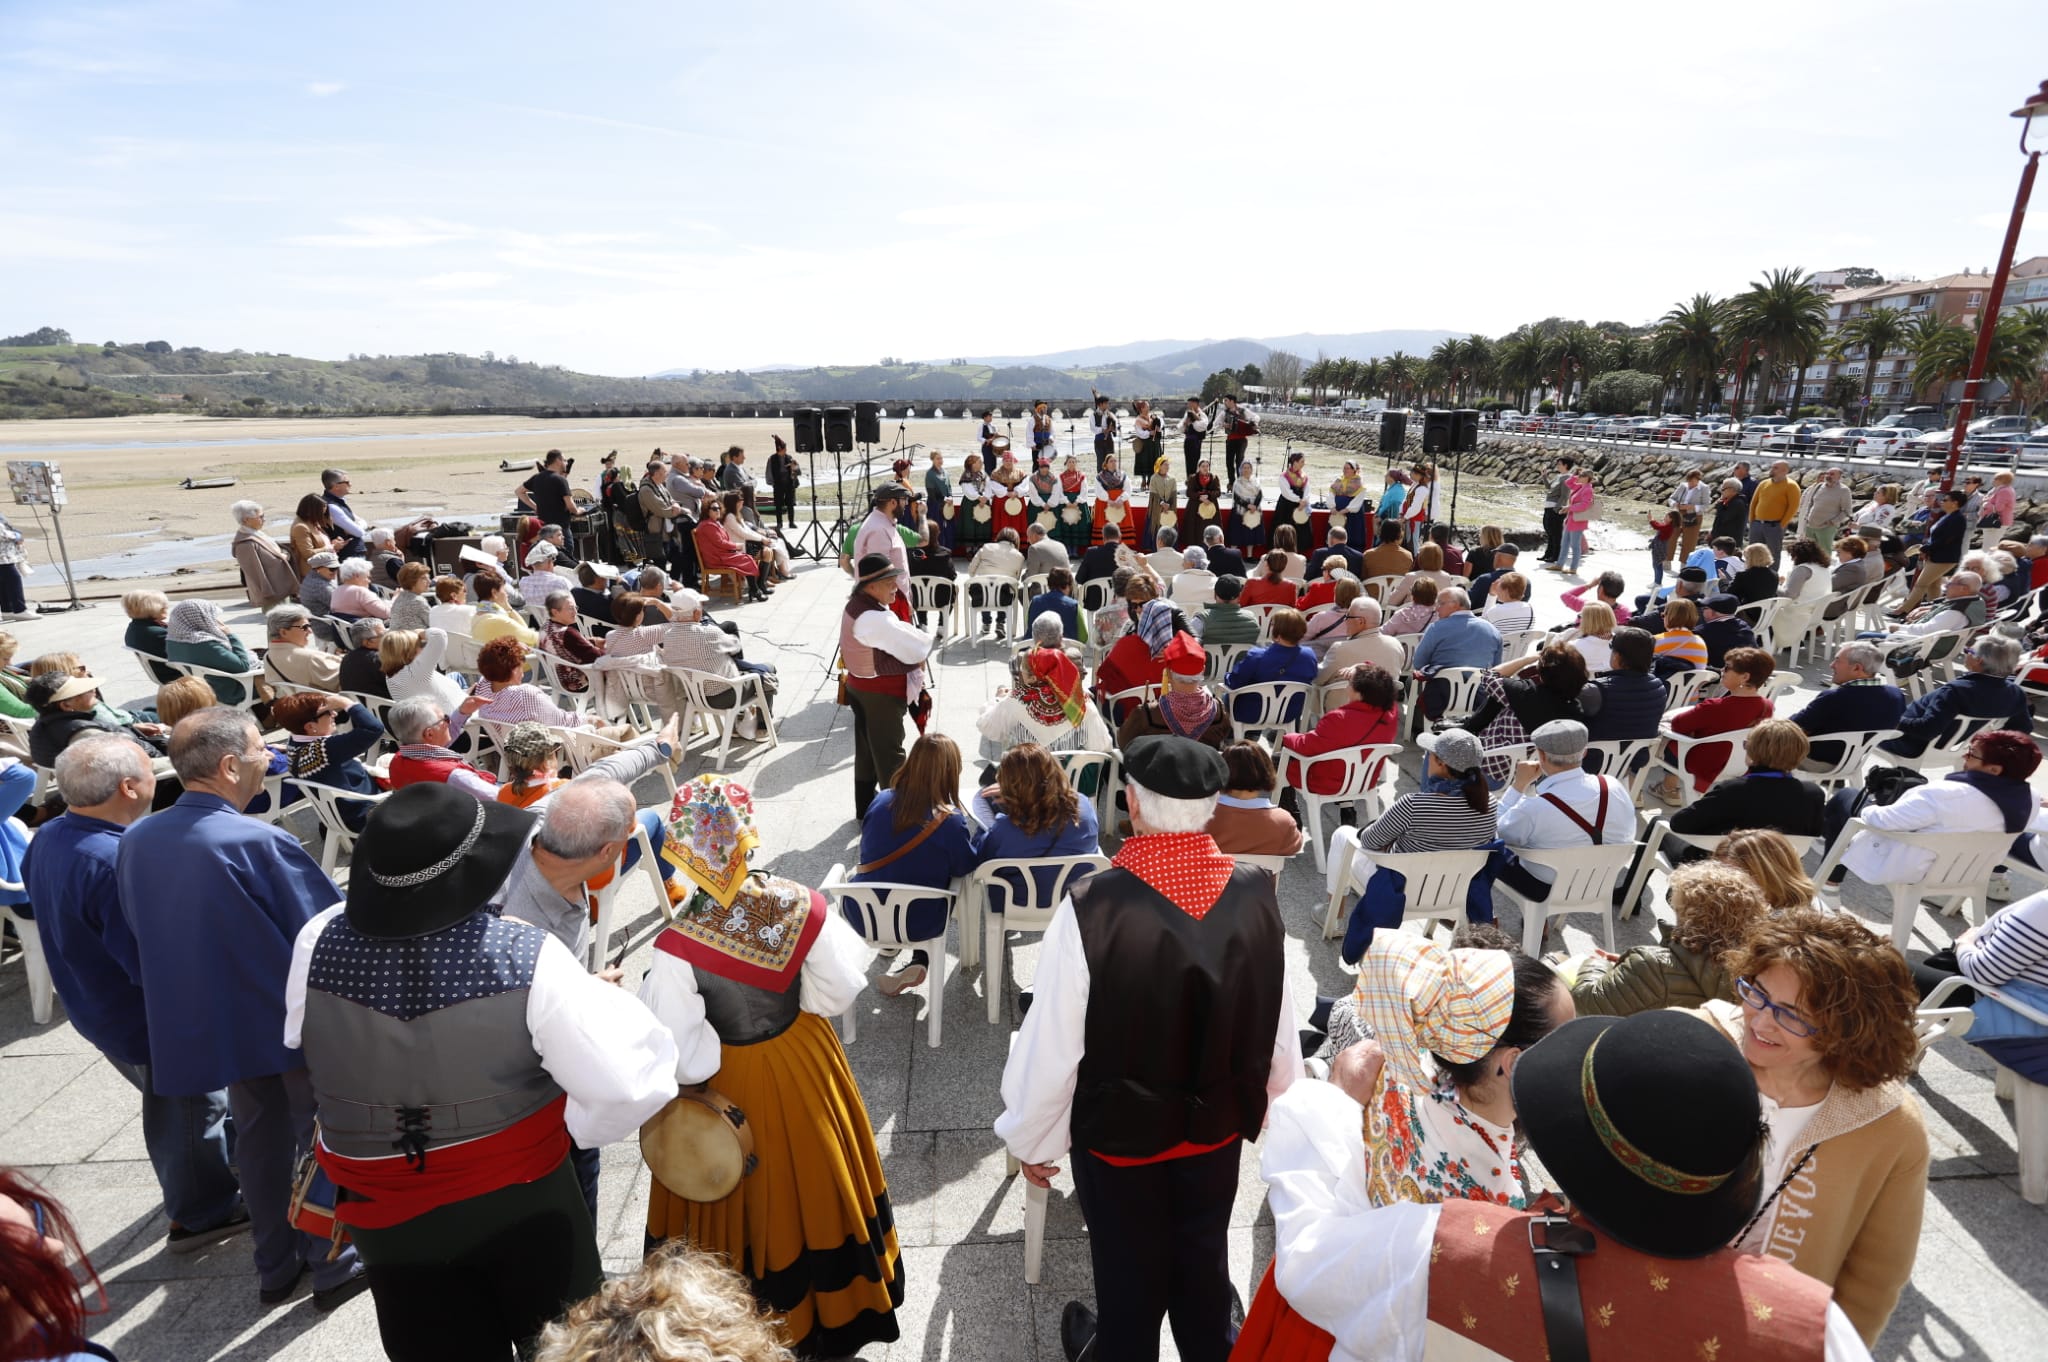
{"x": 321, "y": 89}
{"x": 460, "y": 281}
{"x": 388, "y": 233}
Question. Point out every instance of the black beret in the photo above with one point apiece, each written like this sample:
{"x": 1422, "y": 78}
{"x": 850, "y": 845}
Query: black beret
{"x": 1723, "y": 603}
{"x": 1695, "y": 575}
{"x": 1178, "y": 768}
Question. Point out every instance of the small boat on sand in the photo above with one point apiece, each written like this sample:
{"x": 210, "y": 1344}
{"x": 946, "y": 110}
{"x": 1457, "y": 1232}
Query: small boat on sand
{"x": 194, "y": 484}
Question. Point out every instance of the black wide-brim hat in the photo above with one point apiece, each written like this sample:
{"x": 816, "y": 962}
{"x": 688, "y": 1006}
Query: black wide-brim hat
{"x": 1651, "y": 1127}
{"x": 430, "y": 856}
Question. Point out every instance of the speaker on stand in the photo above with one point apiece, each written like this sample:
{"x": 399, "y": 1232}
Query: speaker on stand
{"x": 1393, "y": 434}
{"x": 1436, "y": 432}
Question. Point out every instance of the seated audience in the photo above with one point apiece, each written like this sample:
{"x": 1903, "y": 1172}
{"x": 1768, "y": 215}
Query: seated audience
{"x": 1271, "y": 586}
{"x": 412, "y": 668}
{"x": 694, "y": 643}
{"x": 197, "y": 634}
{"x": 1046, "y": 705}
{"x": 1429, "y": 565}
{"x": 353, "y": 596}
{"x": 2009, "y": 952}
{"x": 1418, "y": 613}
{"x": 424, "y": 731}
{"x": 1194, "y": 586}
{"x": 1772, "y": 863}
{"x": 1357, "y": 639}
{"x": 508, "y": 699}
{"x": 1594, "y": 638}
{"x": 1519, "y": 697}
{"x": 1031, "y": 812}
{"x": 1769, "y": 794}
{"x": 64, "y": 711}
{"x": 317, "y": 749}
{"x": 1323, "y": 589}
{"x": 1058, "y": 601}
{"x": 915, "y": 833}
{"x": 1372, "y": 716}
{"x": 316, "y": 588}
{"x": 147, "y": 633}
{"x": 451, "y": 611}
{"x": 1631, "y": 699}
{"x": 1714, "y": 907}
{"x": 1388, "y": 558}
{"x": 541, "y": 577}
{"x": 1721, "y": 629}
{"x": 1758, "y": 580}
{"x": 1988, "y": 794}
{"x": 1606, "y": 589}
{"x": 642, "y": 625}
{"x": 1247, "y": 822}
{"x": 1983, "y": 689}
{"x": 1135, "y": 659}
{"x": 592, "y": 594}
{"x": 1325, "y": 627}
{"x": 1741, "y": 705}
{"x": 1553, "y": 803}
{"x": 1858, "y": 701}
{"x": 186, "y": 695}
{"x": 1186, "y": 707}
{"x": 411, "y": 607}
{"x": 1960, "y": 607}
{"x": 1456, "y": 637}
{"x": 1505, "y": 556}
{"x": 1224, "y": 622}
{"x": 1165, "y": 560}
{"x": 562, "y": 638}
{"x": 1509, "y": 610}
{"x": 495, "y": 615}
{"x": 1282, "y": 660}
{"x": 1454, "y": 557}
{"x": 361, "y": 670}
{"x": 293, "y": 656}
{"x": 1450, "y": 810}
{"x": 1678, "y": 647}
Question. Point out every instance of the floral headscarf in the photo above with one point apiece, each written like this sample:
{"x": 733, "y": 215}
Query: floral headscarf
{"x": 711, "y": 834}
{"x": 1056, "y": 696}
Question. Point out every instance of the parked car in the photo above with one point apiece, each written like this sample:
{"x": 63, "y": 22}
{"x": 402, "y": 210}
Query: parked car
{"x": 1797, "y": 435}
{"x": 2001, "y": 425}
{"x": 1920, "y": 418}
{"x": 1702, "y": 433}
{"x": 1670, "y": 430}
{"x": 1865, "y": 442}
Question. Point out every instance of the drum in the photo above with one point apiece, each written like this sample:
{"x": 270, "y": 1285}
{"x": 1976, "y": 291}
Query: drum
{"x": 1045, "y": 520}
{"x": 699, "y": 1145}
{"x": 1301, "y": 513}
{"x": 1071, "y": 514}
{"x": 998, "y": 443}
{"x": 951, "y": 507}
{"x": 1013, "y": 506}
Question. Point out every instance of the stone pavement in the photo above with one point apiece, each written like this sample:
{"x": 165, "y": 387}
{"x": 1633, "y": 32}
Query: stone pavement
{"x": 1978, "y": 1289}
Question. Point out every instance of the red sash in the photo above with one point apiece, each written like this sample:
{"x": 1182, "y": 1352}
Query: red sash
{"x": 393, "y": 1191}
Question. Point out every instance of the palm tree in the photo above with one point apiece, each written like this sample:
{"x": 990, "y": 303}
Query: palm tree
{"x": 1399, "y": 374}
{"x": 1941, "y": 353}
{"x": 1691, "y": 334}
{"x": 1519, "y": 358}
{"x": 1479, "y": 363}
{"x": 1879, "y": 331}
{"x": 1787, "y": 318}
{"x": 1372, "y": 379}
{"x": 1569, "y": 353}
{"x": 1449, "y": 358}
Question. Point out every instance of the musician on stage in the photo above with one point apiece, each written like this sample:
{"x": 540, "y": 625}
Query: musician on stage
{"x": 745, "y": 980}
{"x": 1076, "y": 499}
{"x": 1104, "y": 424}
{"x": 1205, "y": 490}
{"x": 975, "y": 513}
{"x": 1160, "y": 496}
{"x": 1247, "y": 520}
{"x": 1144, "y": 440}
{"x": 1238, "y": 429}
{"x": 1194, "y": 428}
{"x": 1113, "y": 506}
{"x": 1041, "y": 430}
{"x": 940, "y": 511}
{"x": 1009, "y": 502}
{"x": 1292, "y": 506}
{"x": 988, "y": 436}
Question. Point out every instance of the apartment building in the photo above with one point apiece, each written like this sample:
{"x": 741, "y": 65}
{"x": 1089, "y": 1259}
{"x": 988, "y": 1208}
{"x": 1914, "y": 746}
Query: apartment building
{"x": 1957, "y": 297}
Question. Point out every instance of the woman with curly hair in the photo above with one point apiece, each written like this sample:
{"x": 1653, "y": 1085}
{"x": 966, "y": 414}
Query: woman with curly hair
{"x": 501, "y": 667}
{"x": 1767, "y": 857}
{"x": 1716, "y": 905}
{"x": 1030, "y": 813}
{"x": 1826, "y": 1023}
{"x": 680, "y": 1305}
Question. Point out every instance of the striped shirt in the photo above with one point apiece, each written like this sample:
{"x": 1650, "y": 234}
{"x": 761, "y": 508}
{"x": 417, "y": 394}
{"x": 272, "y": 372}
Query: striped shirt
{"x": 1683, "y": 644}
{"x": 1430, "y": 820}
{"x": 2011, "y": 946}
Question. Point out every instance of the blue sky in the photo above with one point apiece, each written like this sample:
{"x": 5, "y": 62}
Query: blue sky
{"x": 631, "y": 187}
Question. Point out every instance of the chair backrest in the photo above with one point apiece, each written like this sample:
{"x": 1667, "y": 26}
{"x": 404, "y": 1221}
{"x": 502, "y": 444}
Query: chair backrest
{"x": 1522, "y": 643}
{"x": 326, "y": 802}
{"x": 1623, "y": 759}
{"x": 1137, "y": 695}
{"x": 1080, "y": 766}
{"x": 1584, "y": 874}
{"x": 1962, "y": 860}
{"x": 1219, "y": 658}
{"x": 1781, "y": 682}
{"x": 882, "y": 909}
{"x": 1961, "y": 729}
{"x": 1856, "y": 749}
{"x": 1378, "y": 587}
{"x": 996, "y": 591}
{"x": 1359, "y": 768}
{"x": 1277, "y": 707}
{"x": 1031, "y": 888}
{"x": 550, "y": 668}
{"x": 156, "y": 670}
{"x": 1465, "y": 687}
{"x": 1036, "y": 584}
{"x": 924, "y": 592}
{"x": 1685, "y": 688}
{"x": 1096, "y": 594}
{"x": 1437, "y": 880}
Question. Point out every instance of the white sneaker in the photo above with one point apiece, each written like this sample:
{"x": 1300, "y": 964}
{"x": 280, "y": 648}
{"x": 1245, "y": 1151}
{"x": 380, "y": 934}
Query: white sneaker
{"x": 19, "y": 615}
{"x": 2001, "y": 887}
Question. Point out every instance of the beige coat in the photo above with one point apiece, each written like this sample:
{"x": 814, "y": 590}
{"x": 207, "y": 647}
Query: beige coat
{"x": 267, "y": 575}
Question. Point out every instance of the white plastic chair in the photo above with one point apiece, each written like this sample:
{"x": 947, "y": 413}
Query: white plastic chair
{"x": 1437, "y": 881}
{"x": 1139, "y": 696}
{"x": 1378, "y": 587}
{"x": 1219, "y": 658}
{"x": 1363, "y": 772}
{"x": 1624, "y": 759}
{"x": 1937, "y": 649}
{"x": 1686, "y": 687}
{"x": 1466, "y": 686}
{"x": 152, "y": 666}
{"x": 745, "y": 694}
{"x": 1762, "y": 616}
{"x": 2029, "y": 1099}
{"x": 1025, "y": 909}
{"x": 487, "y": 739}
{"x": 924, "y": 602}
{"x": 1035, "y": 1199}
{"x": 884, "y": 917}
{"x": 1096, "y": 594}
{"x": 608, "y": 897}
{"x": 336, "y": 837}
{"x": 1963, "y": 862}
{"x": 1653, "y": 844}
{"x": 1682, "y": 749}
{"x": 247, "y": 680}
{"x": 1080, "y": 765}
{"x": 461, "y": 654}
{"x": 1522, "y": 643}
{"x": 550, "y": 670}
{"x": 585, "y": 748}
{"x": 1948, "y": 749}
{"x": 1584, "y": 884}
{"x": 1857, "y": 748}
{"x": 42, "y": 990}
{"x": 1001, "y": 599}
{"x": 1272, "y": 699}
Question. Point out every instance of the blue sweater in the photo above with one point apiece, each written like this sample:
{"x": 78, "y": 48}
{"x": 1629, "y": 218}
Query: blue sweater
{"x": 1004, "y": 841}
{"x": 1971, "y": 693}
{"x": 1066, "y": 607}
{"x": 1945, "y": 540}
{"x": 1460, "y": 640}
{"x": 1274, "y": 662}
{"x": 215, "y": 900}
{"x": 1849, "y": 709}
{"x": 936, "y": 861}
{"x": 92, "y": 954}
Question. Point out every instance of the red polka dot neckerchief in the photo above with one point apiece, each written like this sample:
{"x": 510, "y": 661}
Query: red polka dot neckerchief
{"x": 1185, "y": 867}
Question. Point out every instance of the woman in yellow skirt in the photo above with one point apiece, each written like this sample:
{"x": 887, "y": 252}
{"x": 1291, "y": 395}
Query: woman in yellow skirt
{"x": 746, "y": 980}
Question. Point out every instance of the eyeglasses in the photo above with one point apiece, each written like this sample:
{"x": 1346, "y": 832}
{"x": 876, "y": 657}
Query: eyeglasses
{"x": 1756, "y": 998}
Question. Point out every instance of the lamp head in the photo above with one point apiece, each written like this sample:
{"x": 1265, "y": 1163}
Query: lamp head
{"x": 2035, "y": 106}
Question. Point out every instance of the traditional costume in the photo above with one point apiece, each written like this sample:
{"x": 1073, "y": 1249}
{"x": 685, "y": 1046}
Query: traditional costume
{"x": 1051, "y": 710}
{"x": 1194, "y": 428}
{"x": 1041, "y": 431}
{"x": 883, "y": 654}
{"x": 453, "y": 1054}
{"x": 1162, "y": 494}
{"x": 974, "y": 511}
{"x": 1103, "y": 423}
{"x": 1350, "y": 499}
{"x": 1076, "y": 525}
{"x": 1161, "y": 1027}
{"x": 938, "y": 501}
{"x": 1238, "y": 429}
{"x": 1114, "y": 507}
{"x": 1292, "y": 506}
{"x": 1205, "y": 504}
{"x": 745, "y": 980}
{"x": 1247, "y": 518}
{"x": 1009, "y": 501}
{"x": 1042, "y": 500}
{"x": 1654, "y": 1139}
{"x": 1144, "y": 443}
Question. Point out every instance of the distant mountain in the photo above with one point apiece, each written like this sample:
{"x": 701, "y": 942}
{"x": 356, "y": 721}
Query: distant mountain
{"x": 1097, "y": 356}
{"x": 1167, "y": 356}
{"x": 1361, "y": 344}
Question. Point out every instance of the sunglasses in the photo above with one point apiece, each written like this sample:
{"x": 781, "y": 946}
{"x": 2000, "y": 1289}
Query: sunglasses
{"x": 1754, "y": 995}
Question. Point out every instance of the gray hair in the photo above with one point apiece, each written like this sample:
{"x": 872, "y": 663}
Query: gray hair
{"x": 245, "y": 511}
{"x": 91, "y": 769}
{"x": 1033, "y": 531}
{"x": 1995, "y": 653}
{"x": 1339, "y": 535}
{"x": 380, "y": 535}
{"x": 204, "y": 736}
{"x": 354, "y": 570}
{"x": 410, "y": 719}
{"x": 1863, "y": 656}
{"x": 330, "y": 476}
{"x": 1459, "y": 598}
{"x": 1046, "y": 630}
{"x": 1168, "y": 536}
{"x": 491, "y": 543}
{"x": 1731, "y": 484}
{"x": 556, "y": 598}
{"x": 1162, "y": 814}
{"x": 1213, "y": 535}
{"x": 584, "y": 815}
{"x": 653, "y": 581}
{"x": 283, "y": 617}
{"x": 1969, "y": 579}
{"x": 365, "y": 631}
{"x": 1195, "y": 558}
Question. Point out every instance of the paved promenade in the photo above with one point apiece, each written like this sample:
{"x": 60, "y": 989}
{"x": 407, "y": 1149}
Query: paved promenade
{"x": 1979, "y": 1290}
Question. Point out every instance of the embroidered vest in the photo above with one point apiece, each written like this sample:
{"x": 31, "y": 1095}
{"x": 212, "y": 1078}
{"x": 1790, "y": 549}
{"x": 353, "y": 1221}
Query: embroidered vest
{"x": 860, "y": 659}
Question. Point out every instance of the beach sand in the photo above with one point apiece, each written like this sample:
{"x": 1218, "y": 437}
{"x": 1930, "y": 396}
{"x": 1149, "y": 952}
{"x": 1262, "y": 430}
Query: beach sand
{"x": 128, "y": 522}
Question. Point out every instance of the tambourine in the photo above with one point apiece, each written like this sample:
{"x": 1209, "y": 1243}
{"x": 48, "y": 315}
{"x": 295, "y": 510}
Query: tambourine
{"x": 699, "y": 1146}
{"x": 949, "y": 511}
{"x": 981, "y": 512}
{"x": 1250, "y": 517}
{"x": 1301, "y": 513}
{"x": 1071, "y": 514}
{"x": 1206, "y": 510}
{"x": 1013, "y": 506}
{"x": 1045, "y": 520}
{"x": 1113, "y": 513}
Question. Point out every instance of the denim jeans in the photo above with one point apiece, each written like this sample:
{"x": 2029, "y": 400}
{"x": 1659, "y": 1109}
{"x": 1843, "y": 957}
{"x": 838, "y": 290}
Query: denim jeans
{"x": 273, "y": 1126}
{"x": 657, "y": 833}
{"x": 1571, "y": 548}
{"x": 191, "y": 1144}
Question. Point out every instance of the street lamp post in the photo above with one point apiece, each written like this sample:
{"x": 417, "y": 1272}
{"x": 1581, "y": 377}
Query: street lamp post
{"x": 1987, "y": 326}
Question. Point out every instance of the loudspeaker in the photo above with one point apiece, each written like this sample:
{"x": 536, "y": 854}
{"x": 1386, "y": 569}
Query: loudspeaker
{"x": 1393, "y": 431}
{"x": 810, "y": 431}
{"x": 1436, "y": 432}
{"x": 1465, "y": 430}
{"x": 867, "y": 422}
{"x": 839, "y": 430}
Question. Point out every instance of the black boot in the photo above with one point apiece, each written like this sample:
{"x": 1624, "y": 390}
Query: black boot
{"x": 1077, "y": 1332}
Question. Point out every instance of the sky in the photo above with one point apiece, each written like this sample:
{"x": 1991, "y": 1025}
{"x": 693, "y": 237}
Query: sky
{"x": 631, "y": 187}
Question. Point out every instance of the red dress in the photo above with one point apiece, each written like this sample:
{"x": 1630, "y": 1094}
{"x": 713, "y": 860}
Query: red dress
{"x": 716, "y": 550}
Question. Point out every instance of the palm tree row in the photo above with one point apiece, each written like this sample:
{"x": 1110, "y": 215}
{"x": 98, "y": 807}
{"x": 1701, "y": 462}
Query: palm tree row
{"x": 1704, "y": 348}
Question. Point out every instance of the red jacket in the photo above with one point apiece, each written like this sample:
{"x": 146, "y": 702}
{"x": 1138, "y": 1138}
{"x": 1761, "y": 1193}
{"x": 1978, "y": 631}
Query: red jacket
{"x": 1356, "y": 724}
{"x": 1266, "y": 591}
{"x": 716, "y": 550}
{"x": 1321, "y": 591}
{"x": 1722, "y": 714}
{"x": 1128, "y": 663}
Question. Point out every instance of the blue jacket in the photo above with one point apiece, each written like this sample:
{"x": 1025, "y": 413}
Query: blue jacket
{"x": 1052, "y": 602}
{"x": 215, "y": 900}
{"x": 936, "y": 861}
{"x": 1945, "y": 540}
{"x": 1273, "y": 662}
{"x": 1004, "y": 841}
{"x": 92, "y": 954}
{"x": 1848, "y": 709}
{"x": 1971, "y": 693}
{"x": 1722, "y": 635}
{"x": 1631, "y": 706}
{"x": 1460, "y": 640}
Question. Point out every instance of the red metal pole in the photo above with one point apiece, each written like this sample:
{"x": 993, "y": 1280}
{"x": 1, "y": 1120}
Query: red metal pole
{"x": 1987, "y": 325}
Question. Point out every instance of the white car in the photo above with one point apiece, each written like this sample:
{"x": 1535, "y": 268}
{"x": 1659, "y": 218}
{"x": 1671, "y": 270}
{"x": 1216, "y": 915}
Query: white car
{"x": 1700, "y": 433}
{"x": 1758, "y": 429}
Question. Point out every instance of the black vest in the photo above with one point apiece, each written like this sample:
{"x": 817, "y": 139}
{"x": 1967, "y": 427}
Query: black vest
{"x": 1181, "y": 1014}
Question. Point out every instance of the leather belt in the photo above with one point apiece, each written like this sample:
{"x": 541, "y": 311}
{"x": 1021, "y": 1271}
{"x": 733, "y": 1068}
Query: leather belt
{"x": 1557, "y": 1245}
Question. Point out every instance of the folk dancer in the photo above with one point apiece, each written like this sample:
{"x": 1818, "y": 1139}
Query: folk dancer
{"x": 1162, "y": 496}
{"x": 448, "y": 1095}
{"x": 1009, "y": 503}
{"x": 986, "y": 437}
{"x": 938, "y": 501}
{"x": 883, "y": 654}
{"x": 1162, "y": 1027}
{"x": 1113, "y": 507}
{"x": 746, "y": 979}
{"x": 1076, "y": 523}
{"x": 1194, "y": 428}
{"x": 1103, "y": 422}
{"x": 1247, "y": 520}
{"x": 1041, "y": 429}
{"x": 1419, "y": 507}
{"x": 1144, "y": 440}
{"x": 1042, "y": 500}
{"x": 975, "y": 511}
{"x": 1204, "y": 508}
{"x": 1238, "y": 429}
{"x": 1292, "y": 506}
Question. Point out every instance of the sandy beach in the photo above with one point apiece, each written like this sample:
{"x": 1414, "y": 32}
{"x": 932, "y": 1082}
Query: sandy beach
{"x": 129, "y": 522}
